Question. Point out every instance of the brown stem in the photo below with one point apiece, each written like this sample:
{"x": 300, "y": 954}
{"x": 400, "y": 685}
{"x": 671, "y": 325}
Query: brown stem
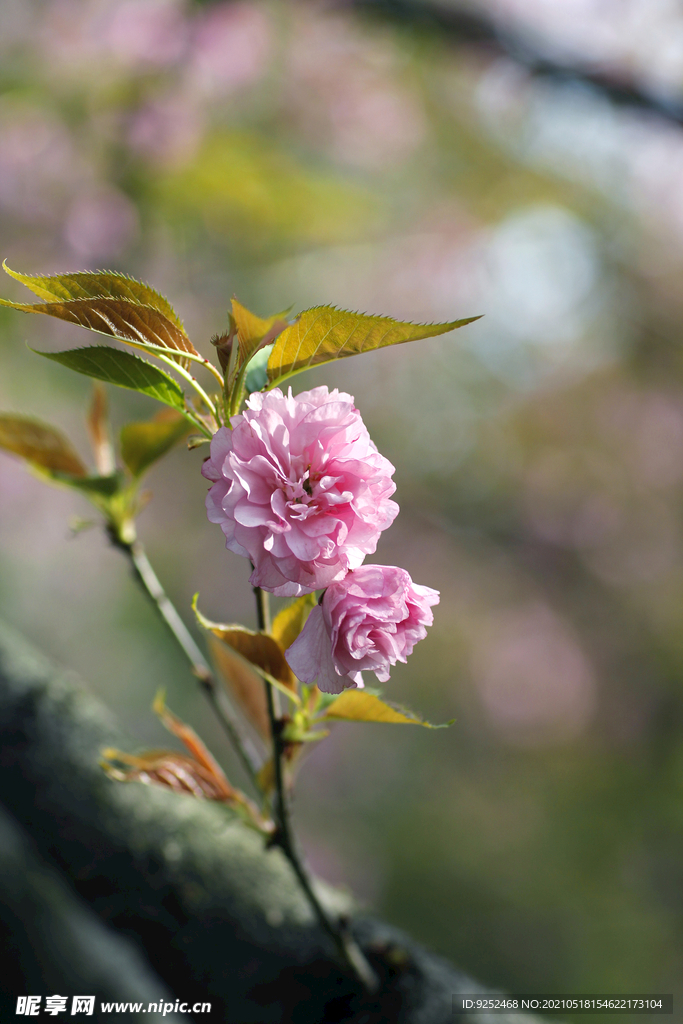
{"x": 348, "y": 949}
{"x": 149, "y": 581}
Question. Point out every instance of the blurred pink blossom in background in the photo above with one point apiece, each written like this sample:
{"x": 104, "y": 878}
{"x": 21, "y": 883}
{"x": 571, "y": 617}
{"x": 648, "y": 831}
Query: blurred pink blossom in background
{"x": 535, "y": 683}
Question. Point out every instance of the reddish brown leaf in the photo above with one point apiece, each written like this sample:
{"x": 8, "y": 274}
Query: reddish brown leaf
{"x": 243, "y": 683}
{"x": 170, "y": 769}
{"x": 98, "y": 429}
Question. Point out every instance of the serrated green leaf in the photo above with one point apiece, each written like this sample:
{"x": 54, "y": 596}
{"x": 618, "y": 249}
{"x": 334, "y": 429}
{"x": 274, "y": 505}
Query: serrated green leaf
{"x": 114, "y": 366}
{"x": 41, "y": 445}
{"x": 363, "y": 706}
{"x": 144, "y": 443}
{"x": 130, "y": 322}
{"x": 289, "y": 622}
{"x": 99, "y": 284}
{"x": 322, "y": 334}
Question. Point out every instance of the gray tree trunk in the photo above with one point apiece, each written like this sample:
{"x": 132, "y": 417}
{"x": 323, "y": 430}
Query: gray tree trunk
{"x": 131, "y": 893}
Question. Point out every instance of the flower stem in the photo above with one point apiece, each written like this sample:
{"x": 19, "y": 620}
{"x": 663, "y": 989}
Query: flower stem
{"x": 348, "y": 949}
{"x": 149, "y": 581}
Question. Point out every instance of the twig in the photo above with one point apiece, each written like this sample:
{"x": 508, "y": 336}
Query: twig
{"x": 149, "y": 581}
{"x": 462, "y": 22}
{"x": 348, "y": 949}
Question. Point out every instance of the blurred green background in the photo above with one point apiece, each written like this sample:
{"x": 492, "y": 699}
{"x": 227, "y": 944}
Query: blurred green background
{"x": 303, "y": 153}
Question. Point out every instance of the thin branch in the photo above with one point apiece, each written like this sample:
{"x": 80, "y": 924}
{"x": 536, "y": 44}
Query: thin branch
{"x": 348, "y": 949}
{"x": 149, "y": 581}
{"x": 462, "y": 23}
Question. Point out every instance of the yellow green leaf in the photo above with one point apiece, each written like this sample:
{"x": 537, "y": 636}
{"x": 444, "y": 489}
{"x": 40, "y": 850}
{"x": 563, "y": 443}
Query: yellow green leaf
{"x": 39, "y": 444}
{"x": 100, "y": 284}
{"x": 131, "y": 322}
{"x": 265, "y": 778}
{"x": 144, "y": 443}
{"x": 324, "y": 333}
{"x": 363, "y": 706}
{"x": 289, "y": 622}
{"x": 259, "y": 649}
{"x": 96, "y": 488}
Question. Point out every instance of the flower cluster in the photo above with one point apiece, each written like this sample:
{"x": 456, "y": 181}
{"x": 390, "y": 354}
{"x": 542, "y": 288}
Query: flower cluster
{"x": 299, "y": 488}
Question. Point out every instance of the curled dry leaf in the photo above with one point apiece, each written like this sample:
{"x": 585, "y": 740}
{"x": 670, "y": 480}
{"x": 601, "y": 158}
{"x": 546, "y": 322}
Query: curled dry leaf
{"x": 168, "y": 768}
{"x": 198, "y": 774}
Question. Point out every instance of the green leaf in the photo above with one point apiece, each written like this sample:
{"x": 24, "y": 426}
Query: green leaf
{"x": 364, "y": 706}
{"x": 144, "y": 443}
{"x": 289, "y": 622}
{"x": 322, "y": 334}
{"x": 101, "y": 284}
{"x": 93, "y": 486}
{"x": 123, "y": 369}
{"x": 40, "y": 444}
{"x": 256, "y": 376}
{"x": 129, "y": 322}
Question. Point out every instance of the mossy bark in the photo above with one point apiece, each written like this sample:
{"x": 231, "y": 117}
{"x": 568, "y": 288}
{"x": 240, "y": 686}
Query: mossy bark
{"x": 175, "y": 888}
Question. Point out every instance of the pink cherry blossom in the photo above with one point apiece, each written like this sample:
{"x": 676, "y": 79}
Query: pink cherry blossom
{"x": 367, "y": 622}
{"x": 299, "y": 488}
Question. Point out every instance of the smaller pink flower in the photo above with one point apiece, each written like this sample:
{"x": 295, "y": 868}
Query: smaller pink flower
{"x": 366, "y": 622}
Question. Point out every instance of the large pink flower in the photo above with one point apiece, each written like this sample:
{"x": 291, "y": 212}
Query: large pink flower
{"x": 367, "y": 622}
{"x": 299, "y": 488}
